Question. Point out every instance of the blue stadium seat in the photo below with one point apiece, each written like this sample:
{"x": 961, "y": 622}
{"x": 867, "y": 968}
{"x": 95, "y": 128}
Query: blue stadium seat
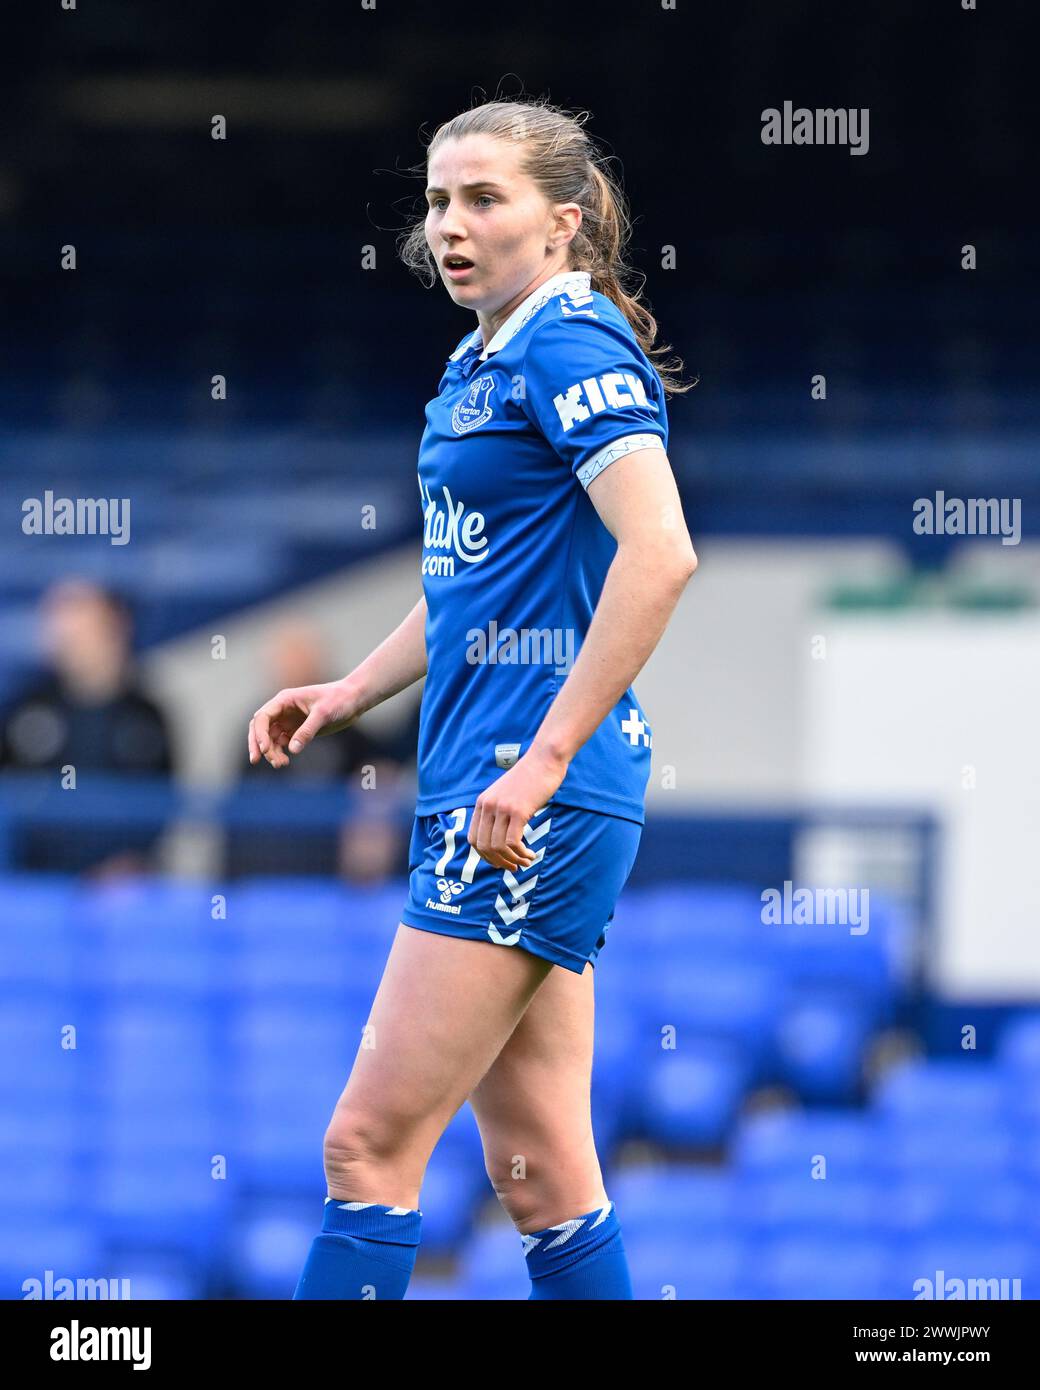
{"x": 691, "y": 1096}
{"x": 669, "y": 1265}
{"x": 168, "y": 1048}
{"x": 278, "y": 1044}
{"x": 158, "y": 1275}
{"x": 365, "y": 916}
{"x": 609, "y": 1124}
{"x": 957, "y": 1254}
{"x": 821, "y": 1035}
{"x": 32, "y": 1121}
{"x": 1019, "y": 1046}
{"x": 453, "y": 1187}
{"x": 161, "y": 1198}
{"x": 462, "y": 1137}
{"x": 658, "y": 1200}
{"x": 726, "y": 1002}
{"x": 38, "y": 943}
{"x": 491, "y": 1264}
{"x": 37, "y": 1062}
{"x": 267, "y": 1244}
{"x": 1026, "y": 1162}
{"x": 617, "y": 1071}
{"x": 148, "y": 934}
{"x": 786, "y": 1141}
{"x": 818, "y": 1267}
{"x": 280, "y": 1150}
{"x": 43, "y": 901}
{"x": 38, "y": 956}
{"x": 921, "y": 1092}
{"x": 698, "y": 919}
{"x": 30, "y": 1246}
{"x": 288, "y": 1064}
{"x": 786, "y": 1205}
{"x": 38, "y": 1178}
{"x": 321, "y": 963}
{"x": 675, "y": 926}
{"x": 976, "y": 1202}
{"x": 829, "y": 957}
{"x": 944, "y": 1146}
{"x": 124, "y": 1123}
{"x": 1018, "y": 1055}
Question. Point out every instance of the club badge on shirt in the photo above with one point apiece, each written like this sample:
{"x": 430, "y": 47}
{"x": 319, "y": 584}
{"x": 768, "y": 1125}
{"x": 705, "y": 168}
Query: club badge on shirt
{"x": 475, "y": 407}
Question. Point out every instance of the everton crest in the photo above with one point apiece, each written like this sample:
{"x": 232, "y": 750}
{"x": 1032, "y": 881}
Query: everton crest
{"x": 475, "y": 407}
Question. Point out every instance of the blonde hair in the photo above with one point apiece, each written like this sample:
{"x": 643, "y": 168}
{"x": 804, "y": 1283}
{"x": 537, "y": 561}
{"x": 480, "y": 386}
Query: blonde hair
{"x": 561, "y": 159}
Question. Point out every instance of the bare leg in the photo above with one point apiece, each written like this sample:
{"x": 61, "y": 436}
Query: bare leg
{"x": 443, "y": 1011}
{"x": 533, "y": 1107}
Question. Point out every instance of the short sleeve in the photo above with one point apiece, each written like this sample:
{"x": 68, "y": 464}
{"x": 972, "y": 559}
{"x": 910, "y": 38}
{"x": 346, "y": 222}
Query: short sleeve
{"x": 589, "y": 390}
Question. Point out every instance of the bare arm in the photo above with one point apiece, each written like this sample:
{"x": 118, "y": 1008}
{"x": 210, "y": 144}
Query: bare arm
{"x": 398, "y": 662}
{"x": 290, "y": 719}
{"x": 638, "y": 502}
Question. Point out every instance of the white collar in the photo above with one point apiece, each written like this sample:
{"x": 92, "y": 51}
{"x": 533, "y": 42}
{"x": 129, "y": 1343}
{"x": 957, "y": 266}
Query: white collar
{"x": 575, "y": 282}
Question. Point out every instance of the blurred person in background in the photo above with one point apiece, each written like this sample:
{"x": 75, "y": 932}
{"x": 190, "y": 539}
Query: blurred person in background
{"x": 370, "y": 845}
{"x": 87, "y": 711}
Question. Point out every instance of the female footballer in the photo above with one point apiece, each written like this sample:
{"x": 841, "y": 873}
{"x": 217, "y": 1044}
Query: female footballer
{"x": 554, "y": 553}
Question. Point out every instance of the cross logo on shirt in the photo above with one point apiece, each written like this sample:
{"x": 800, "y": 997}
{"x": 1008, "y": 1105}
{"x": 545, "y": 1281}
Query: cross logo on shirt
{"x": 636, "y": 730}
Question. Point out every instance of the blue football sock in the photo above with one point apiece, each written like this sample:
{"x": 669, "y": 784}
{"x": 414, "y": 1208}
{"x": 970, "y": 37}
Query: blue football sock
{"x": 365, "y": 1251}
{"x": 582, "y": 1258}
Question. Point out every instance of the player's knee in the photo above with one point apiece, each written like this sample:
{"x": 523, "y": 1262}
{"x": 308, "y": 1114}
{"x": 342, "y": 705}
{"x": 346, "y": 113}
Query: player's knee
{"x": 359, "y": 1140}
{"x": 354, "y": 1140}
{"x": 516, "y": 1198}
{"x": 521, "y": 1190}
{"x": 532, "y": 1206}
{"x": 536, "y": 1184}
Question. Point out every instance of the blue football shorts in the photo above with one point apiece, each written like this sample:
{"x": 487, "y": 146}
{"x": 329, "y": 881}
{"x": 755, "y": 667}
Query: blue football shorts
{"x": 559, "y": 908}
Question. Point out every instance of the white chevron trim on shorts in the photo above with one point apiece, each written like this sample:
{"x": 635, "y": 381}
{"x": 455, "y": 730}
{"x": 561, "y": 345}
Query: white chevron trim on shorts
{"x": 518, "y": 889}
{"x": 473, "y": 858}
{"x": 532, "y": 835}
{"x": 508, "y": 918}
{"x": 513, "y": 911}
{"x": 508, "y": 913}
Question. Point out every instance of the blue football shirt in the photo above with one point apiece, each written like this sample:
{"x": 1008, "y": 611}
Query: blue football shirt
{"x": 515, "y": 554}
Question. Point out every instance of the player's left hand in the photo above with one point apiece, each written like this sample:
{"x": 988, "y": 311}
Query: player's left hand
{"x": 501, "y": 812}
